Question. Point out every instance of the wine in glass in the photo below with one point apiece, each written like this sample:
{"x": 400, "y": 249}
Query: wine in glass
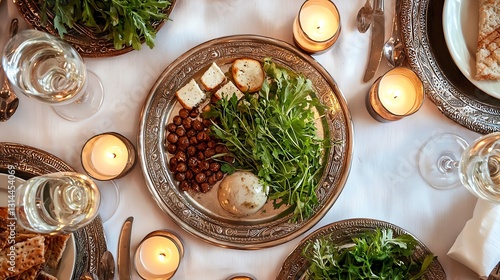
{"x": 446, "y": 161}
{"x": 50, "y": 70}
{"x": 55, "y": 203}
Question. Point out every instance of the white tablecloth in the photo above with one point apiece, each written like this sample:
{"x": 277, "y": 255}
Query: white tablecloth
{"x": 384, "y": 181}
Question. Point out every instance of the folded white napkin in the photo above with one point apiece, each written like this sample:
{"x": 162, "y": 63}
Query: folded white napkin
{"x": 478, "y": 245}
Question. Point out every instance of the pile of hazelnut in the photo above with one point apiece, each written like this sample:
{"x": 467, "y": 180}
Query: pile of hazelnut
{"x": 193, "y": 149}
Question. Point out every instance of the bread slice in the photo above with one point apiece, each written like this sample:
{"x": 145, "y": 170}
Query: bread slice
{"x": 488, "y": 47}
{"x": 213, "y": 77}
{"x": 28, "y": 254}
{"x": 228, "y": 90}
{"x": 57, "y": 247}
{"x": 190, "y": 95}
{"x": 248, "y": 74}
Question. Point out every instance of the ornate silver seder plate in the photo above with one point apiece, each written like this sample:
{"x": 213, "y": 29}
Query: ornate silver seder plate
{"x": 201, "y": 214}
{"x": 341, "y": 232}
{"x": 445, "y": 85}
{"x": 90, "y": 241}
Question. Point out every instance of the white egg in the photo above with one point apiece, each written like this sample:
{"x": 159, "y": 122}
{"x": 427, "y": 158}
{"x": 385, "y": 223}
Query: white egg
{"x": 241, "y": 194}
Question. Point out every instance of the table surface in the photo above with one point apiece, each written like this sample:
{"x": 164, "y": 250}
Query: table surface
{"x": 384, "y": 181}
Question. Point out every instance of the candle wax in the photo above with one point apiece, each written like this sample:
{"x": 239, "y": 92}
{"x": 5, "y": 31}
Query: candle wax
{"x": 109, "y": 155}
{"x": 397, "y": 94}
{"x": 157, "y": 256}
{"x": 319, "y": 22}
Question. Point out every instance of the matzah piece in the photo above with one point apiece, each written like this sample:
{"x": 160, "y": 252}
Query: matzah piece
{"x": 488, "y": 46}
{"x": 4, "y": 231}
{"x": 45, "y": 276}
{"x": 28, "y": 254}
{"x": 30, "y": 274}
{"x": 57, "y": 247}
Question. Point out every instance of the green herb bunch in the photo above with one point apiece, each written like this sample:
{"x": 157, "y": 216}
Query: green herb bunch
{"x": 375, "y": 254}
{"x": 273, "y": 134}
{"x": 125, "y": 21}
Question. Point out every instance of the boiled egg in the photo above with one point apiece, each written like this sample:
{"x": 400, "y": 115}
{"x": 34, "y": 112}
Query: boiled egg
{"x": 241, "y": 194}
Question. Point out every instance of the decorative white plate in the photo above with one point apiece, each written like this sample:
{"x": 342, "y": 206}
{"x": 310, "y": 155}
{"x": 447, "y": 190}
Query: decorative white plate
{"x": 460, "y": 26}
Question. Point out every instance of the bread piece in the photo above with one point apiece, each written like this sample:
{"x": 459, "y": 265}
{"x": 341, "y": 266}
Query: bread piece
{"x": 488, "y": 47}
{"x": 4, "y": 231}
{"x": 247, "y": 74}
{"x": 57, "y": 247}
{"x": 30, "y": 274}
{"x": 27, "y": 254}
{"x": 190, "y": 95}
{"x": 228, "y": 90}
{"x": 212, "y": 78}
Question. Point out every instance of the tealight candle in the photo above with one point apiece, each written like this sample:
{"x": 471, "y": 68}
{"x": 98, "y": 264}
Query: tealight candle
{"x": 317, "y": 26}
{"x": 158, "y": 255}
{"x": 396, "y": 94}
{"x": 108, "y": 156}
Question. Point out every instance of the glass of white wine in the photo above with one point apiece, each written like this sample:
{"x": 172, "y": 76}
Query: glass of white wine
{"x": 447, "y": 161}
{"x": 49, "y": 69}
{"x": 60, "y": 202}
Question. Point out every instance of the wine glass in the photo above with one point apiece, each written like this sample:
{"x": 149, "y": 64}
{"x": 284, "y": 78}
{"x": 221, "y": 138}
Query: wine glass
{"x": 60, "y": 202}
{"x": 446, "y": 161}
{"x": 50, "y": 70}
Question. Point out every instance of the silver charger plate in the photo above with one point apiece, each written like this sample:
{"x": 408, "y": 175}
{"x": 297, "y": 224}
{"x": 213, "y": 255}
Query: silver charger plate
{"x": 199, "y": 214}
{"x": 28, "y": 162}
{"x": 445, "y": 85}
{"x": 341, "y": 232}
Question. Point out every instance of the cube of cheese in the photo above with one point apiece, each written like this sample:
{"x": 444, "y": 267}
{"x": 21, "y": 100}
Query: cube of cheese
{"x": 228, "y": 90}
{"x": 212, "y": 78}
{"x": 190, "y": 95}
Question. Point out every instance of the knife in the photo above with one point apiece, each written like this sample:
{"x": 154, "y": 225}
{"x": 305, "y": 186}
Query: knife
{"x": 378, "y": 36}
{"x": 124, "y": 249}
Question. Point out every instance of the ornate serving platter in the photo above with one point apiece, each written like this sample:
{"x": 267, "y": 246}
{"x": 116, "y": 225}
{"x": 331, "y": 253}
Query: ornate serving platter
{"x": 87, "y": 42}
{"x": 445, "y": 85}
{"x": 197, "y": 213}
{"x": 27, "y": 161}
{"x": 341, "y": 232}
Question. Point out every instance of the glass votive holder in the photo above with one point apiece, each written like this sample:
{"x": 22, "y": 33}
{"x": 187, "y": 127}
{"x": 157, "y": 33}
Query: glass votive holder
{"x": 158, "y": 255}
{"x": 395, "y": 95}
{"x": 317, "y": 26}
{"x": 108, "y": 156}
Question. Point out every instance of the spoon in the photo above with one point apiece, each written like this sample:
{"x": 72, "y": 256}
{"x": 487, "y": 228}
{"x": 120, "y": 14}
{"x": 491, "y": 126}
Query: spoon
{"x": 8, "y": 99}
{"x": 393, "y": 48}
{"x": 364, "y": 17}
{"x": 106, "y": 269}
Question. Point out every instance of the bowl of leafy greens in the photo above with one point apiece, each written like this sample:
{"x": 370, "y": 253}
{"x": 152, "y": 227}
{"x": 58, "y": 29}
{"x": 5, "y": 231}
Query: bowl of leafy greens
{"x": 361, "y": 249}
{"x": 99, "y": 28}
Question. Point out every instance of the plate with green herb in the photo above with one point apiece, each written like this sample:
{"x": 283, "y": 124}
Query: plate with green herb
{"x": 99, "y": 28}
{"x": 320, "y": 128}
{"x": 361, "y": 249}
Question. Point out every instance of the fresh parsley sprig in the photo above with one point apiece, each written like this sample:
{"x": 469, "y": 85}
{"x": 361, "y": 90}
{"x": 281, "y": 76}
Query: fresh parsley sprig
{"x": 374, "y": 254}
{"x": 124, "y": 21}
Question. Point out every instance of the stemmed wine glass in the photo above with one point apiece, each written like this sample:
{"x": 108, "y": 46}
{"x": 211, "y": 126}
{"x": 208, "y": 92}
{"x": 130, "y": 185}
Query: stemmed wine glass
{"x": 50, "y": 70}
{"x": 446, "y": 161}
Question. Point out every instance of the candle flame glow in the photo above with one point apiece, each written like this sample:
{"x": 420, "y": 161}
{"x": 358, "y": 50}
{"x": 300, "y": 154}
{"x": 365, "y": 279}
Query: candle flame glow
{"x": 111, "y": 155}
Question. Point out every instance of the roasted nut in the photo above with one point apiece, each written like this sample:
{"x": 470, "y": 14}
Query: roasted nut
{"x": 172, "y": 138}
{"x": 177, "y": 120}
{"x": 171, "y": 127}
{"x": 171, "y": 148}
{"x": 184, "y": 113}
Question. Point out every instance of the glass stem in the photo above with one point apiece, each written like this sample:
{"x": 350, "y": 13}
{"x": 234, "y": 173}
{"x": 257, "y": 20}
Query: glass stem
{"x": 447, "y": 164}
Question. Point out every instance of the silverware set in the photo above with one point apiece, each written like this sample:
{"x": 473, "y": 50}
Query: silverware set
{"x": 393, "y": 48}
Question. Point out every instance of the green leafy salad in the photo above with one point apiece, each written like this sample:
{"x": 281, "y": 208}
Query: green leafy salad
{"x": 374, "y": 254}
{"x": 273, "y": 134}
{"x": 126, "y": 21}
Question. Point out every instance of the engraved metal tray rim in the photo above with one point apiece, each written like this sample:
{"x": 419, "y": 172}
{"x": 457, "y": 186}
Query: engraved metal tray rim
{"x": 295, "y": 265}
{"x": 151, "y": 148}
{"x": 450, "y": 100}
{"x": 28, "y": 161}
